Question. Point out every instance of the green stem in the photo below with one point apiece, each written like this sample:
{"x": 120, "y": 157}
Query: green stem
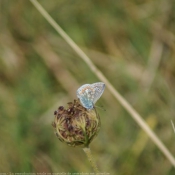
{"x": 88, "y": 153}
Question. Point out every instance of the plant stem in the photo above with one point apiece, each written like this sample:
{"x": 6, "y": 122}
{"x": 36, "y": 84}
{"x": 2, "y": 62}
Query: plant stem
{"x": 173, "y": 125}
{"x": 88, "y": 153}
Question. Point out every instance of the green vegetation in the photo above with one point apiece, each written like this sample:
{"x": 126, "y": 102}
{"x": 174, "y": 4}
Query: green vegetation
{"x": 131, "y": 42}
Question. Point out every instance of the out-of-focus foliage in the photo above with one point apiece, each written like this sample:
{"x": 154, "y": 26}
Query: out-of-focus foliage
{"x": 131, "y": 42}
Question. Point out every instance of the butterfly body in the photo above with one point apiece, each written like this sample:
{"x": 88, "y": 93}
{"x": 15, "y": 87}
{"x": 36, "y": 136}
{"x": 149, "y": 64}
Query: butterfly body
{"x": 90, "y": 93}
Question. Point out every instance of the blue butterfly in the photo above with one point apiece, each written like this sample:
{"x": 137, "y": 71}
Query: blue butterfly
{"x": 90, "y": 93}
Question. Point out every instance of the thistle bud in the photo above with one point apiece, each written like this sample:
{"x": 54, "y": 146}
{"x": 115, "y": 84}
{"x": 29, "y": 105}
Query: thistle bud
{"x": 76, "y": 125}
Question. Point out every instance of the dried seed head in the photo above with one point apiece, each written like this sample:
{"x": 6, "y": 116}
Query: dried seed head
{"x": 76, "y": 125}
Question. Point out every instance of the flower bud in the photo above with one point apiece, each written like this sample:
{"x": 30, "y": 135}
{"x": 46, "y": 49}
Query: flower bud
{"x": 76, "y": 125}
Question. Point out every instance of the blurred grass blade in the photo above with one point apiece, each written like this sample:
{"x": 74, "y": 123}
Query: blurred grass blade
{"x": 173, "y": 125}
{"x": 99, "y": 74}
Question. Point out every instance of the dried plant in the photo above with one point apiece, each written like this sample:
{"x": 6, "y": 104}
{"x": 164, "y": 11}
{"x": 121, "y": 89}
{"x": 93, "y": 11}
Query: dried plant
{"x": 77, "y": 126}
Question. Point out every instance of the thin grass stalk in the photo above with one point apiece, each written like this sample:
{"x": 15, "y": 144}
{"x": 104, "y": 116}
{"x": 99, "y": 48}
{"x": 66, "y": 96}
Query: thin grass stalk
{"x": 173, "y": 126}
{"x": 110, "y": 87}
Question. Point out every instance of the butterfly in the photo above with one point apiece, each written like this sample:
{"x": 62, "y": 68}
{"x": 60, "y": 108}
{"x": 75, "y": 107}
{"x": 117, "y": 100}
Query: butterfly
{"x": 90, "y": 93}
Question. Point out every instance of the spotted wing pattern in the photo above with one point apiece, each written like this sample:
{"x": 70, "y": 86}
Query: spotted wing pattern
{"x": 90, "y": 93}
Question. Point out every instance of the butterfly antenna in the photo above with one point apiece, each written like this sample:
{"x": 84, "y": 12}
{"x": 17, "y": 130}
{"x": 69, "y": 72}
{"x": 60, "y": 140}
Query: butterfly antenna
{"x": 101, "y": 107}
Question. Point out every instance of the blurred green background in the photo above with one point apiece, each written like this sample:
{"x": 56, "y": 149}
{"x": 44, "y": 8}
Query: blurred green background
{"x": 131, "y": 42}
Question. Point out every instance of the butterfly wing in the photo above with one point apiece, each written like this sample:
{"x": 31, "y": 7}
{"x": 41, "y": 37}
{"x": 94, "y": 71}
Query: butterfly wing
{"x": 85, "y": 94}
{"x": 99, "y": 89}
{"x": 90, "y": 93}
